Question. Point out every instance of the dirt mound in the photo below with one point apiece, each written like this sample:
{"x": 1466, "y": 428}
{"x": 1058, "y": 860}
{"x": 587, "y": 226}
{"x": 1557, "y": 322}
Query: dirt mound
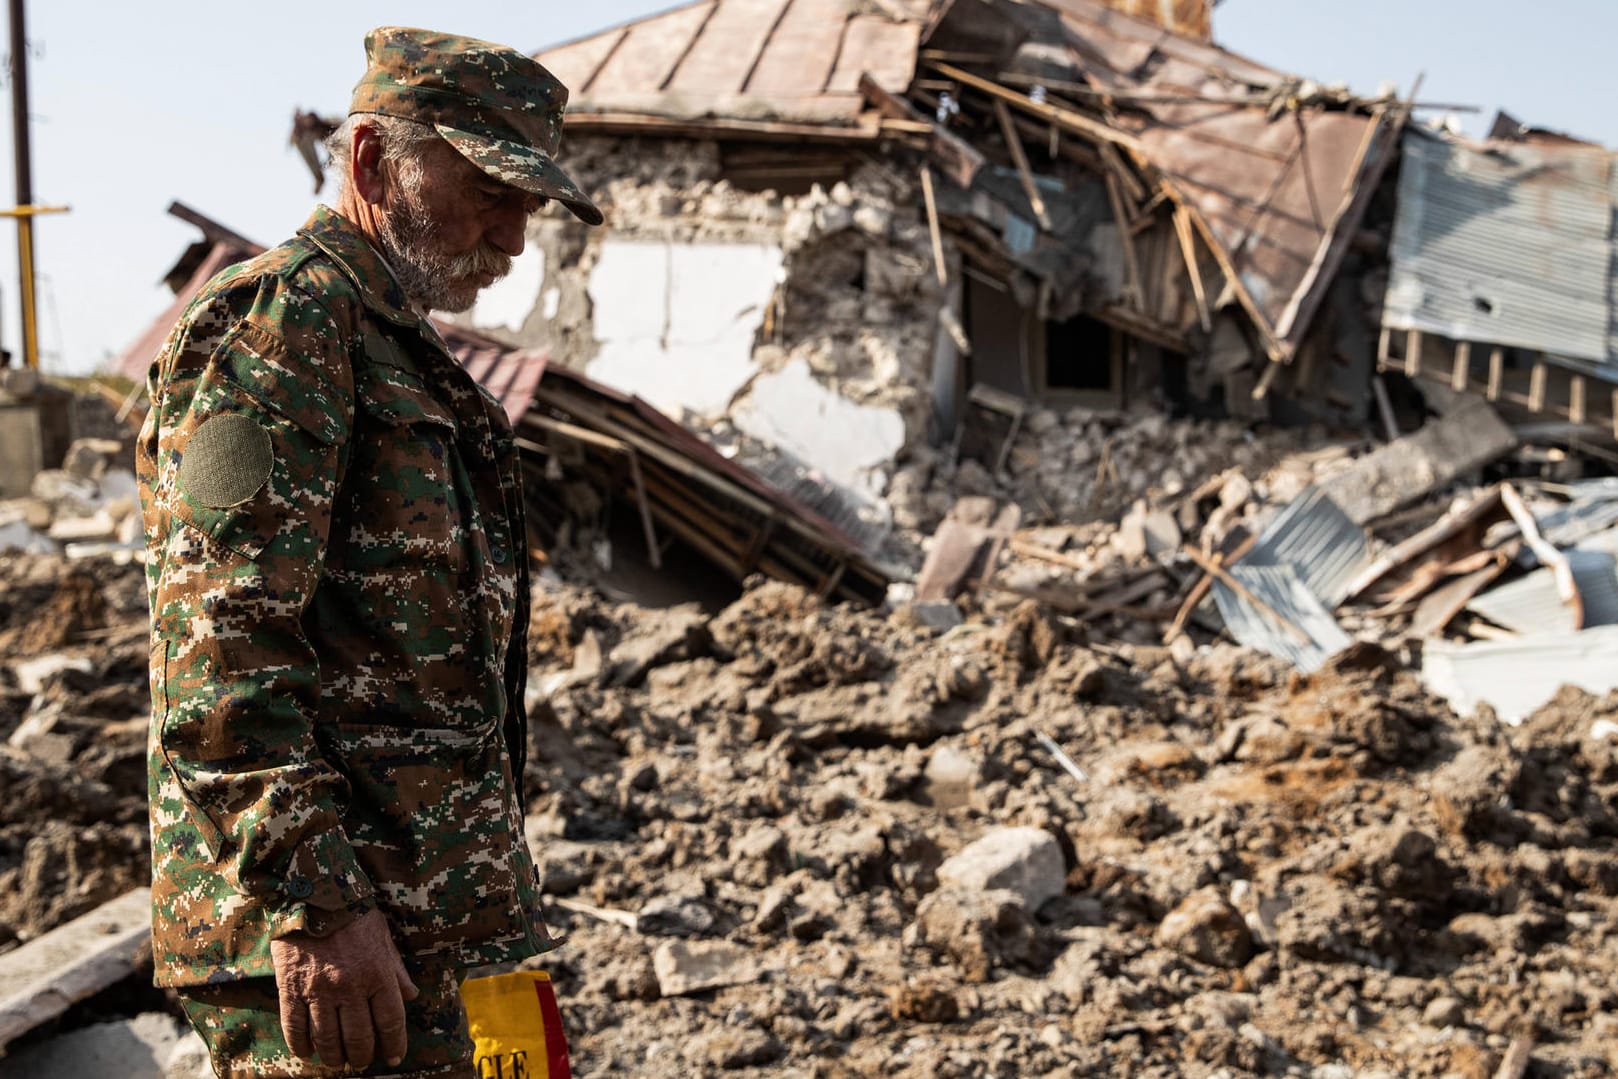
{"x": 1264, "y": 872}
{"x": 752, "y": 827}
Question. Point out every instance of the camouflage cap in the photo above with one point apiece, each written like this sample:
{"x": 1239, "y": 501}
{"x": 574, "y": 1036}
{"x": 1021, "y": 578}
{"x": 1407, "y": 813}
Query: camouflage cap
{"x": 502, "y": 110}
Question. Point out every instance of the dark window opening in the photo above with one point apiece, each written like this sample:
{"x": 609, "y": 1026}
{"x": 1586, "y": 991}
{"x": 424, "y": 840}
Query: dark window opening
{"x": 1078, "y": 355}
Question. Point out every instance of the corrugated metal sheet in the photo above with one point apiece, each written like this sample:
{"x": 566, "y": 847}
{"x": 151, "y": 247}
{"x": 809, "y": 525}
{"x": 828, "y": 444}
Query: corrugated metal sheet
{"x": 1532, "y": 604}
{"x": 798, "y": 60}
{"x": 1283, "y": 590}
{"x": 1508, "y": 244}
{"x": 1515, "y": 677}
{"x": 1314, "y": 536}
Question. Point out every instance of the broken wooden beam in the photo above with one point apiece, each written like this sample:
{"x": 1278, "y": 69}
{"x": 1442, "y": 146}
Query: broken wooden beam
{"x": 1217, "y": 571}
{"x": 1019, "y": 158}
{"x": 43, "y": 978}
{"x": 933, "y": 231}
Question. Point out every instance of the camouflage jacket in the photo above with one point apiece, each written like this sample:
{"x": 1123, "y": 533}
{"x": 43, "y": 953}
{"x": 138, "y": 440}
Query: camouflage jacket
{"x": 339, "y": 597}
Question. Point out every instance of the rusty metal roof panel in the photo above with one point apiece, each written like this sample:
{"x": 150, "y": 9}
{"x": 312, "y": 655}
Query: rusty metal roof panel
{"x": 738, "y": 59}
{"x": 1509, "y": 244}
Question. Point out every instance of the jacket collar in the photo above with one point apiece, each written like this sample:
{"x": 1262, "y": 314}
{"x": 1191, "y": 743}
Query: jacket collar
{"x": 362, "y": 264}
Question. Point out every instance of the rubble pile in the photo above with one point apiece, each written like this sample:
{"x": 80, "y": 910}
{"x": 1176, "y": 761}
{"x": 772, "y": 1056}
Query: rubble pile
{"x": 89, "y": 506}
{"x": 1082, "y": 466}
{"x": 793, "y": 838}
{"x": 806, "y": 840}
{"x": 74, "y": 710}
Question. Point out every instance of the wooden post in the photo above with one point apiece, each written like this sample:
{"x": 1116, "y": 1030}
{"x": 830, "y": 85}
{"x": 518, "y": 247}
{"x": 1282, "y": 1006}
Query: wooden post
{"x": 1575, "y": 399}
{"x": 1131, "y": 264}
{"x": 1384, "y": 348}
{"x": 932, "y": 226}
{"x": 1463, "y": 366}
{"x": 1413, "y": 353}
{"x": 1019, "y": 158}
{"x": 1188, "y": 250}
{"x": 1536, "y": 388}
{"x": 1497, "y": 372}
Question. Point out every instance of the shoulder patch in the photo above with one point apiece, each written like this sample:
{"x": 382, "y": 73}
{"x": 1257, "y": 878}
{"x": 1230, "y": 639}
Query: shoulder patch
{"x": 226, "y": 461}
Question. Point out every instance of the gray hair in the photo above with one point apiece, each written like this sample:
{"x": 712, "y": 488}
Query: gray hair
{"x": 402, "y": 143}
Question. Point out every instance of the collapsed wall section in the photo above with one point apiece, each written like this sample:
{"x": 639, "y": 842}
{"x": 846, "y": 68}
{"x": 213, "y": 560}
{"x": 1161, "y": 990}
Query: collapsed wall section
{"x": 804, "y": 321}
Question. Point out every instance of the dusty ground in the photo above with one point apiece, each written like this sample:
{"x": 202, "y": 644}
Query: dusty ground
{"x": 1265, "y": 874}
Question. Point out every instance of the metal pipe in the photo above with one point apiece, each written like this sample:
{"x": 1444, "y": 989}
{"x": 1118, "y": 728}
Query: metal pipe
{"x": 25, "y": 185}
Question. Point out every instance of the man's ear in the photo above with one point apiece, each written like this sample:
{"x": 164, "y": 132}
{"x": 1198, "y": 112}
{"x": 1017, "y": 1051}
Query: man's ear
{"x": 365, "y": 163}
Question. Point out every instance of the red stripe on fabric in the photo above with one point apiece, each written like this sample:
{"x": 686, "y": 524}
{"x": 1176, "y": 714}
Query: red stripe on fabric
{"x": 555, "y": 1041}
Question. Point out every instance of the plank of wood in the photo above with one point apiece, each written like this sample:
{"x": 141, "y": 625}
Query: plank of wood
{"x": 933, "y": 231}
{"x": 1462, "y": 369}
{"x": 1204, "y": 585}
{"x": 1019, "y": 158}
{"x": 649, "y": 53}
{"x": 720, "y": 60}
{"x": 1188, "y": 251}
{"x": 44, "y": 977}
{"x": 577, "y": 62}
{"x": 877, "y": 46}
{"x": 1217, "y": 571}
{"x": 802, "y": 52}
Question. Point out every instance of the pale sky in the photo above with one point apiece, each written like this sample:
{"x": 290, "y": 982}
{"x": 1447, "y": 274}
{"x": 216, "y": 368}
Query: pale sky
{"x": 135, "y": 105}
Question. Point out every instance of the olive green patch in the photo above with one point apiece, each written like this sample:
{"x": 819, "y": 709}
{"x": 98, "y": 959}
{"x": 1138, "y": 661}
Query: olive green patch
{"x": 226, "y": 461}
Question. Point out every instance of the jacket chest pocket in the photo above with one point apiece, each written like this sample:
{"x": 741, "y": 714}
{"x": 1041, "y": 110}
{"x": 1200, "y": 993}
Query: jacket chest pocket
{"x": 405, "y": 481}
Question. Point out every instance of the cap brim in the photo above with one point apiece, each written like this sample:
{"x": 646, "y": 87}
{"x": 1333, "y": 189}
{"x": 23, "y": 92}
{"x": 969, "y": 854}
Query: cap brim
{"x": 522, "y": 167}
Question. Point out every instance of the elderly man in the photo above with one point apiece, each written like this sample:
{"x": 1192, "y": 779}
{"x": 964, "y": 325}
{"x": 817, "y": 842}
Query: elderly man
{"x": 339, "y": 590}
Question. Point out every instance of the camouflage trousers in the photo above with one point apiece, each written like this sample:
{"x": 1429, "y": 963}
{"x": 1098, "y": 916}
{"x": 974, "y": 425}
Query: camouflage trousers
{"x": 240, "y": 1022}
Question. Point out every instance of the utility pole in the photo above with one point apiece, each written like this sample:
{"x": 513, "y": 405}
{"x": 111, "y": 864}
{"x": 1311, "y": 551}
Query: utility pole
{"x": 25, "y": 209}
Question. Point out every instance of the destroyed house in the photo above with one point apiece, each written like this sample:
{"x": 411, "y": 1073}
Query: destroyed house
{"x": 843, "y": 232}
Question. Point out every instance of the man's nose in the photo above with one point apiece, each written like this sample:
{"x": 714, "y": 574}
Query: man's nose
{"x": 508, "y": 229}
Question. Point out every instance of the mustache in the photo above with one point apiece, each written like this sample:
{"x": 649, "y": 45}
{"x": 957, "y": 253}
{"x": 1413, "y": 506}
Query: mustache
{"x": 486, "y": 260}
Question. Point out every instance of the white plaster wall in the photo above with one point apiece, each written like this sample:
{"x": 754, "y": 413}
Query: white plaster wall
{"x": 676, "y": 323}
{"x": 505, "y": 305}
{"x": 849, "y": 443}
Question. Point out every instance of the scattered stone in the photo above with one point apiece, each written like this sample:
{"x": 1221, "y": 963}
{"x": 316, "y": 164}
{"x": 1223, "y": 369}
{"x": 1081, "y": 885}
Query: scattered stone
{"x": 1207, "y": 928}
{"x": 695, "y": 966}
{"x": 924, "y": 1000}
{"x": 980, "y": 932}
{"x": 952, "y": 774}
{"x": 1444, "y": 1012}
{"x": 747, "y": 1047}
{"x": 32, "y": 674}
{"x": 1027, "y": 861}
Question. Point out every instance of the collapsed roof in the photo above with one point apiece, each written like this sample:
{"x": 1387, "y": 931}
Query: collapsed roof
{"x": 1267, "y": 173}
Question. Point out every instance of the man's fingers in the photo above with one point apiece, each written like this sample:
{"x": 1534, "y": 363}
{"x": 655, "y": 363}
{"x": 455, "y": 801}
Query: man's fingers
{"x": 295, "y": 1026}
{"x": 359, "y": 1040}
{"x": 388, "y": 1017}
{"x": 326, "y": 1032}
{"x": 406, "y": 987}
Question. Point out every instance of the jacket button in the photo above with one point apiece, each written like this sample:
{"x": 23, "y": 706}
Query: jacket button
{"x": 299, "y": 887}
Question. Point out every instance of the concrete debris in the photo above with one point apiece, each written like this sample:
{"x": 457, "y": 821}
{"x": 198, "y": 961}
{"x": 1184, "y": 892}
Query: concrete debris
{"x": 697, "y": 966}
{"x": 1025, "y": 861}
{"x": 152, "y": 1045}
{"x": 44, "y": 977}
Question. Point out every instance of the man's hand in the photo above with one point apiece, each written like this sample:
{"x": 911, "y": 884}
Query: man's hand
{"x": 343, "y": 996}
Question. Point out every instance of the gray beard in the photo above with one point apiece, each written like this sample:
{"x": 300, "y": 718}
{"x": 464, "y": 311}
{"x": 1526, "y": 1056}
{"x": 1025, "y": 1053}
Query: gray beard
{"x": 433, "y": 280}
